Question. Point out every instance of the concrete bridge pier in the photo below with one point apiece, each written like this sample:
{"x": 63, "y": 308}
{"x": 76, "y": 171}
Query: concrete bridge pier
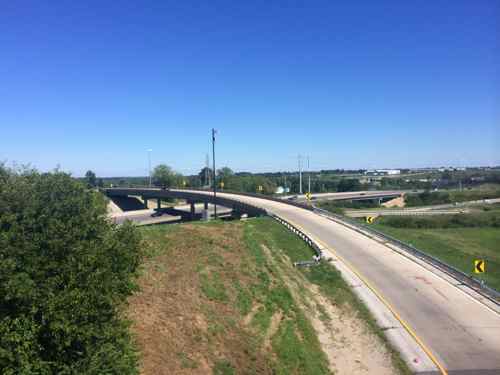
{"x": 193, "y": 210}
{"x": 205, "y": 214}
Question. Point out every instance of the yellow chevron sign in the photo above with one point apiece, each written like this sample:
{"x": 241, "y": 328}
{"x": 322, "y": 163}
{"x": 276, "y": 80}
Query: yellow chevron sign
{"x": 370, "y": 219}
{"x": 479, "y": 266}
{"x": 308, "y": 196}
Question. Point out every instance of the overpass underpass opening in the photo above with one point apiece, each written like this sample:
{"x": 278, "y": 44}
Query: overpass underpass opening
{"x": 138, "y": 208}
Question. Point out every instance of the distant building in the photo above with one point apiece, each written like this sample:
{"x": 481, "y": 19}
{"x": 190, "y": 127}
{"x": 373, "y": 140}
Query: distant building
{"x": 383, "y": 172}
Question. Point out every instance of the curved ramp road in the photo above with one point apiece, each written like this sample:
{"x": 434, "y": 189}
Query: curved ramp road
{"x": 462, "y": 333}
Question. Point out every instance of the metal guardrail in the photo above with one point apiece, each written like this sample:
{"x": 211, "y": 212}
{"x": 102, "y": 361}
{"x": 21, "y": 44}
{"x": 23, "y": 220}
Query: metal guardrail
{"x": 479, "y": 286}
{"x": 313, "y": 245}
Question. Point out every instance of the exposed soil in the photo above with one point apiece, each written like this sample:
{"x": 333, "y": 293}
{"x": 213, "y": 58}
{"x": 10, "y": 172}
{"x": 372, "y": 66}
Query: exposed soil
{"x": 348, "y": 344}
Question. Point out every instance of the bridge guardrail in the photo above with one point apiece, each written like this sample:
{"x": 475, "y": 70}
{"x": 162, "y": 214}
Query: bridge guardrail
{"x": 477, "y": 285}
{"x": 308, "y": 240}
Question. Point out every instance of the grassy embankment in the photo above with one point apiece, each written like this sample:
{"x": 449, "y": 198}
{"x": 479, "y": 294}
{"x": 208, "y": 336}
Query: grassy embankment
{"x": 451, "y": 196}
{"x": 223, "y": 298}
{"x": 455, "y": 239}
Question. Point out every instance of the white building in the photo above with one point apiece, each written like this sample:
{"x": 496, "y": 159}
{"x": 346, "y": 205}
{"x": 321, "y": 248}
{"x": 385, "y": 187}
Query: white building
{"x": 383, "y": 172}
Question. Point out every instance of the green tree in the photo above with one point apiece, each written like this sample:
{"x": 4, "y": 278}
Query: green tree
{"x": 225, "y": 172}
{"x": 90, "y": 178}
{"x": 165, "y": 177}
{"x": 65, "y": 273}
{"x": 349, "y": 184}
{"x": 205, "y": 176}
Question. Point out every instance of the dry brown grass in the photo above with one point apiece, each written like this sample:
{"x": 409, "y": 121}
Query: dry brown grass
{"x": 178, "y": 329}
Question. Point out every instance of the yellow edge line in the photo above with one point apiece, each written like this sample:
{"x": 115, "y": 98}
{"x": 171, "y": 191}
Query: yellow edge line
{"x": 384, "y": 301}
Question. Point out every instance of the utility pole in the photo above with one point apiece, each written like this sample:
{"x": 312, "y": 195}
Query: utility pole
{"x": 149, "y": 165}
{"x": 207, "y": 171}
{"x": 213, "y": 172}
{"x": 300, "y": 174}
{"x": 309, "y": 176}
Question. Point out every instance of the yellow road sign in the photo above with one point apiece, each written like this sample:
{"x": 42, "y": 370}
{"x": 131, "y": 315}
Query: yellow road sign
{"x": 222, "y": 184}
{"x": 308, "y": 196}
{"x": 184, "y": 183}
{"x": 479, "y": 266}
{"x": 260, "y": 188}
{"x": 370, "y": 219}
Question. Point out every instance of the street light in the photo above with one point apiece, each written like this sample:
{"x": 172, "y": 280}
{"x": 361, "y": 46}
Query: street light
{"x": 149, "y": 165}
{"x": 213, "y": 172}
{"x": 309, "y": 176}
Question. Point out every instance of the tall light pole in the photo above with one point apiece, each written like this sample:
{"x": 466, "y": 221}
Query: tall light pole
{"x": 300, "y": 175}
{"x": 213, "y": 172}
{"x": 149, "y": 165}
{"x": 309, "y": 176}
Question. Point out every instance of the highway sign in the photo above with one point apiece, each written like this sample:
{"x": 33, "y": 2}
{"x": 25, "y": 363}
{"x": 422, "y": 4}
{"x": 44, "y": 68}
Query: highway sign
{"x": 479, "y": 266}
{"x": 370, "y": 219}
{"x": 308, "y": 196}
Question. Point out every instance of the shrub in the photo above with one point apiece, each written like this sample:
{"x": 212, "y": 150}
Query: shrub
{"x": 65, "y": 272}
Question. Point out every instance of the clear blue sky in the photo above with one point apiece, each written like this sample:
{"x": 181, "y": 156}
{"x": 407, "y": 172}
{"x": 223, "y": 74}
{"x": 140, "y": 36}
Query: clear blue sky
{"x": 354, "y": 84}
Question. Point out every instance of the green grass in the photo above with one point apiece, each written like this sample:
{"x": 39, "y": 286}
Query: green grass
{"x": 458, "y": 247}
{"x": 325, "y": 276}
{"x": 213, "y": 287}
{"x": 296, "y": 345}
{"x": 223, "y": 368}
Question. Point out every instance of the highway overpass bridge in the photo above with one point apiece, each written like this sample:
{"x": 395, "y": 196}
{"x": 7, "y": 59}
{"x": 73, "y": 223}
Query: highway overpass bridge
{"x": 438, "y": 324}
{"x": 351, "y": 195}
{"x": 191, "y": 196}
